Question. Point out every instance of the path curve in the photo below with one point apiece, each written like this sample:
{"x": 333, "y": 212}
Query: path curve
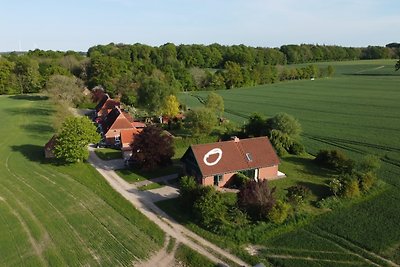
{"x": 143, "y": 203}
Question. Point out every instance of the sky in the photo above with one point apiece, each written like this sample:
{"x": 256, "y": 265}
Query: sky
{"x": 80, "y": 24}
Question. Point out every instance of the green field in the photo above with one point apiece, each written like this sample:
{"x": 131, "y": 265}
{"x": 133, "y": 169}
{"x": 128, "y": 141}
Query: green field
{"x": 357, "y": 111}
{"x": 53, "y": 215}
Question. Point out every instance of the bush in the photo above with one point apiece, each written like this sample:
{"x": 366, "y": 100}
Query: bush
{"x": 188, "y": 190}
{"x": 279, "y": 212}
{"x": 350, "y": 187}
{"x": 297, "y": 194}
{"x": 329, "y": 203}
{"x": 334, "y": 159}
{"x": 296, "y": 148}
{"x": 209, "y": 208}
{"x": 366, "y": 181}
{"x": 239, "y": 180}
{"x": 369, "y": 164}
{"x": 335, "y": 186}
{"x": 257, "y": 199}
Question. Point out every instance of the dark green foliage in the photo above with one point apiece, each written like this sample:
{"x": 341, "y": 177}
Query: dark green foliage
{"x": 368, "y": 164}
{"x": 257, "y": 199}
{"x": 279, "y": 212}
{"x": 209, "y": 209}
{"x": 334, "y": 159}
{"x": 239, "y": 180}
{"x": 366, "y": 181}
{"x": 255, "y": 126}
{"x": 188, "y": 191}
{"x": 151, "y": 95}
{"x": 297, "y": 194}
{"x": 296, "y": 148}
{"x": 154, "y": 148}
{"x": 74, "y": 137}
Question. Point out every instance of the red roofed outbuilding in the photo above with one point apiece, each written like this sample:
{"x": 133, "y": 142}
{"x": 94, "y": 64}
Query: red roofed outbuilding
{"x": 216, "y": 163}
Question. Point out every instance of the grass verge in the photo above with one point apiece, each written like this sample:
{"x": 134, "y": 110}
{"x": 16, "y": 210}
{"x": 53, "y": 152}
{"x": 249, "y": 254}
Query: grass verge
{"x": 134, "y": 175}
{"x": 108, "y": 153}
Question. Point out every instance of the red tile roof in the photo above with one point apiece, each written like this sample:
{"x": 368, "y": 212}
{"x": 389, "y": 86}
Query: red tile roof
{"x": 232, "y": 156}
{"x": 128, "y": 136}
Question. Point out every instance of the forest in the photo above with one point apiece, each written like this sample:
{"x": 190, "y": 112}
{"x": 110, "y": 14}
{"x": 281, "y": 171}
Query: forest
{"x": 138, "y": 72}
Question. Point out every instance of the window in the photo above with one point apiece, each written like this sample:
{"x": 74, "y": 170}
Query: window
{"x": 249, "y": 158}
{"x": 217, "y": 179}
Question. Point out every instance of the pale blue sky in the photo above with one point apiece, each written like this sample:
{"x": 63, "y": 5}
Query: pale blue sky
{"x": 78, "y": 25}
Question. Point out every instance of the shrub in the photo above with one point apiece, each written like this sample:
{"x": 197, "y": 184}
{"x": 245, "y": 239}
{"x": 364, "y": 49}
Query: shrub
{"x": 296, "y": 148}
{"x": 335, "y": 186}
{"x": 209, "y": 208}
{"x": 366, "y": 181}
{"x": 334, "y": 159}
{"x": 188, "y": 190}
{"x": 329, "y": 203}
{"x": 350, "y": 187}
{"x": 279, "y": 212}
{"x": 239, "y": 180}
{"x": 297, "y": 194}
{"x": 369, "y": 164}
{"x": 257, "y": 199}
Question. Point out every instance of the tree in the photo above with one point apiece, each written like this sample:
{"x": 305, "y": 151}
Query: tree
{"x": 75, "y": 135}
{"x": 397, "y": 65}
{"x": 8, "y": 81}
{"x": 151, "y": 94}
{"x": 170, "y": 106}
{"x": 27, "y": 71}
{"x": 256, "y": 126}
{"x": 201, "y": 121}
{"x": 152, "y": 148}
{"x": 257, "y": 199}
{"x": 215, "y": 102}
{"x": 209, "y": 208}
{"x": 233, "y": 75}
{"x": 64, "y": 89}
{"x": 284, "y": 123}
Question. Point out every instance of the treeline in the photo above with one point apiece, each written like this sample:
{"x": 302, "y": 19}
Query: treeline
{"x": 29, "y": 72}
{"x": 126, "y": 69}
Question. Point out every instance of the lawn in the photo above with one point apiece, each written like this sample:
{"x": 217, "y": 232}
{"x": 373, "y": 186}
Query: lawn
{"x": 358, "y": 112}
{"x": 60, "y": 215}
{"x": 151, "y": 186}
{"x": 134, "y": 175}
{"x": 108, "y": 153}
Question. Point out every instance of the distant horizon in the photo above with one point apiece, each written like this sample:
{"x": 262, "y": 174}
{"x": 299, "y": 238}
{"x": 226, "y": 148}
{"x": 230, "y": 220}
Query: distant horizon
{"x": 118, "y": 43}
{"x": 78, "y": 25}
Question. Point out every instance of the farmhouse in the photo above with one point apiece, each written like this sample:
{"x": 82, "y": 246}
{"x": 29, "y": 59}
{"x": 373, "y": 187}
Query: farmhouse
{"x": 127, "y": 138}
{"x": 216, "y": 163}
{"x": 105, "y": 106}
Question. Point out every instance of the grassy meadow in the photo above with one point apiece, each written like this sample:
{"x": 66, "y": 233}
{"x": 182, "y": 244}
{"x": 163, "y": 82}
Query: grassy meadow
{"x": 53, "y": 215}
{"x": 358, "y": 112}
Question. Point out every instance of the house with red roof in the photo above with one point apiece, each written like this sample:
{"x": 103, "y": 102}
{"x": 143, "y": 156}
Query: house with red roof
{"x": 216, "y": 163}
{"x": 105, "y": 105}
{"x": 112, "y": 125}
{"x": 127, "y": 139}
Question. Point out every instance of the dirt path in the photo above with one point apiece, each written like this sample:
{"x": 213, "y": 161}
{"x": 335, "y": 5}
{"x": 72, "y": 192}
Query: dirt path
{"x": 144, "y": 204}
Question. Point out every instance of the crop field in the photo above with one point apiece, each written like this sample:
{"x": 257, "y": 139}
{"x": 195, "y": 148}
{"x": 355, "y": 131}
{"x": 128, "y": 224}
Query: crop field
{"x": 358, "y": 112}
{"x": 60, "y": 215}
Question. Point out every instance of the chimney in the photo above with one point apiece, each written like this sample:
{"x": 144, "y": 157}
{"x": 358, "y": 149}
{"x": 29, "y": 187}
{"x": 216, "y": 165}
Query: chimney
{"x": 235, "y": 139}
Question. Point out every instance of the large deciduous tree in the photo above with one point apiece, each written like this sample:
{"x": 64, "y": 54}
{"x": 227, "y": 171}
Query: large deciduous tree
{"x": 151, "y": 95}
{"x": 152, "y": 148}
{"x": 215, "y": 102}
{"x": 28, "y": 76}
{"x": 64, "y": 89}
{"x": 201, "y": 121}
{"x": 75, "y": 135}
